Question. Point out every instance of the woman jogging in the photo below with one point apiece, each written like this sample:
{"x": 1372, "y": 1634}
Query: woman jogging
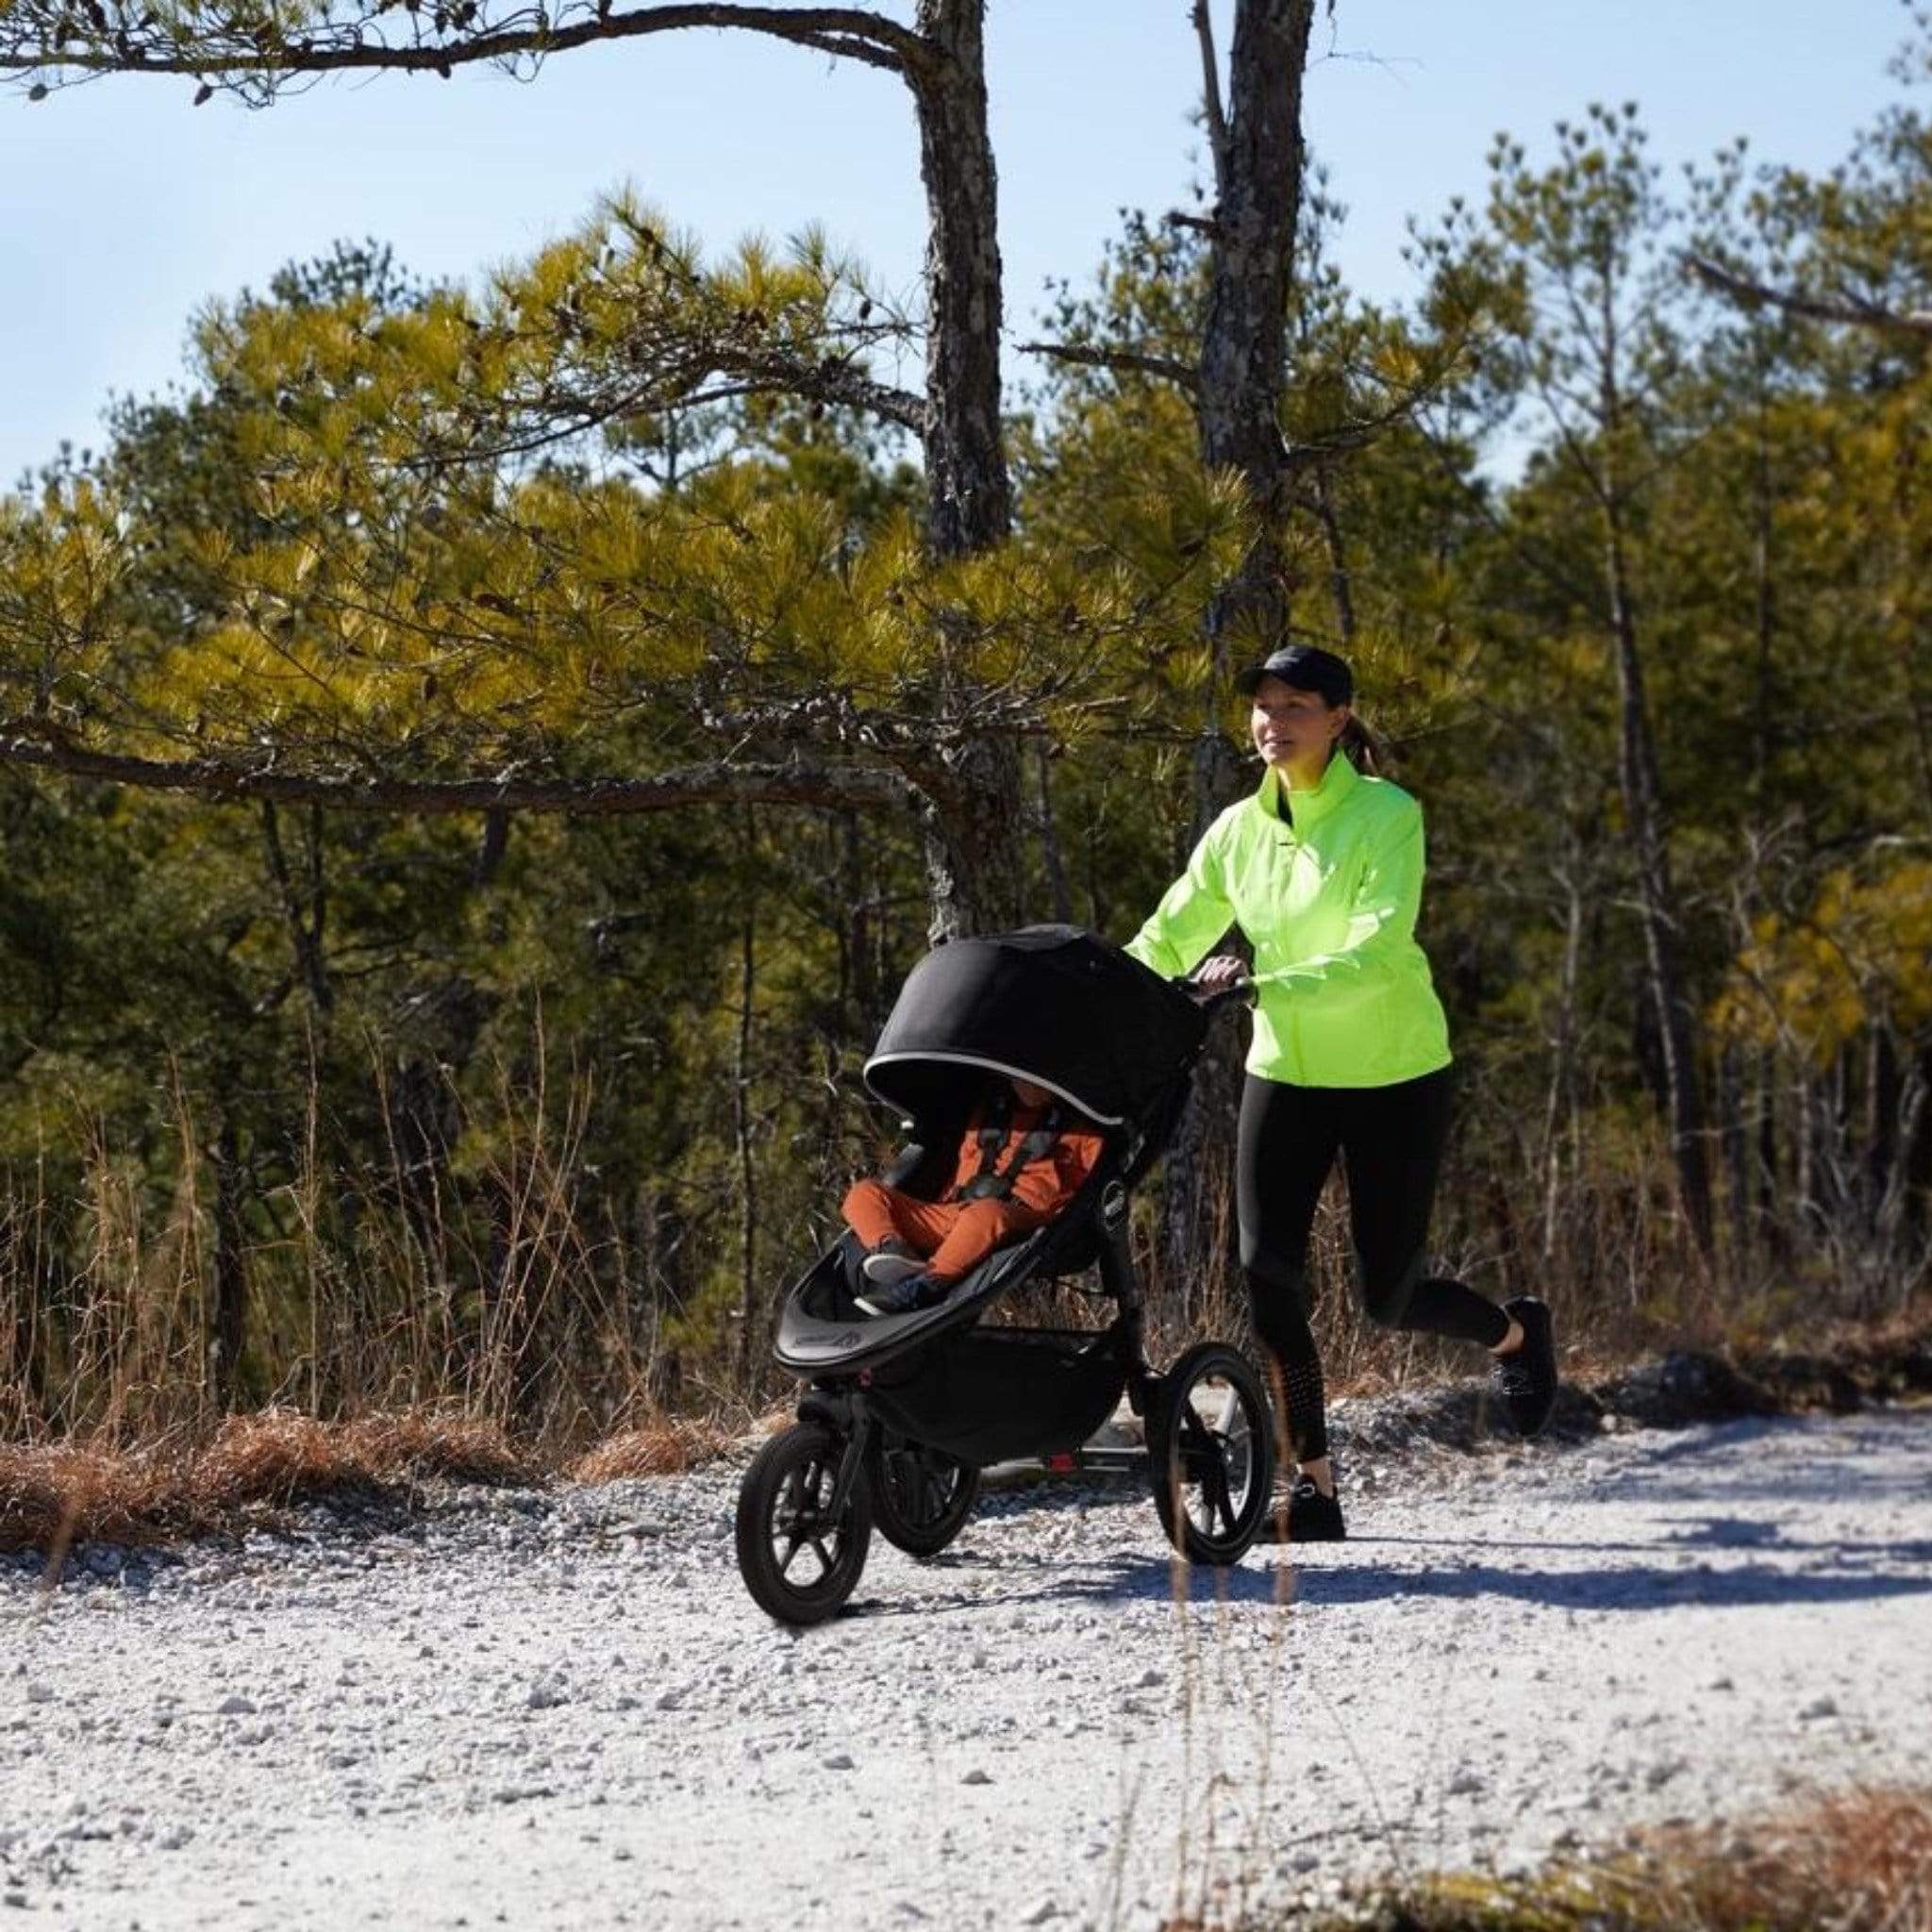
{"x": 1323, "y": 870}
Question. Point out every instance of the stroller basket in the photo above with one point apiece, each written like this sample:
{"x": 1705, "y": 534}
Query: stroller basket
{"x": 985, "y": 1395}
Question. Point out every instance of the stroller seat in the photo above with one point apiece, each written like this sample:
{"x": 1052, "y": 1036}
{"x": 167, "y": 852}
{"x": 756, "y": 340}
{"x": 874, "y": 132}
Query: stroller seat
{"x": 1108, "y": 1040}
{"x": 926, "y": 1167}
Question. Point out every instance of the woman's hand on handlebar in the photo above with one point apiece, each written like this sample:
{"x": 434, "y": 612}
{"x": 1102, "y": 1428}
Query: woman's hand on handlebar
{"x": 1220, "y": 973}
{"x": 1222, "y": 977}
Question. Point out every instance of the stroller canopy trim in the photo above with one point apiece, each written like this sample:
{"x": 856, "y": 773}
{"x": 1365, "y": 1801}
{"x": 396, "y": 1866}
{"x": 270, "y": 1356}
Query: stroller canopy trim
{"x": 1055, "y": 1005}
{"x": 972, "y": 1059}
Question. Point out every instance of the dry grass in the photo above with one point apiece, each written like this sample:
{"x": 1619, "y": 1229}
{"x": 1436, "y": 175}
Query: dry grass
{"x": 53, "y": 1495}
{"x": 69, "y": 1493}
{"x": 283, "y": 1457}
{"x": 1856, "y": 1861}
{"x": 664, "y": 1447}
{"x": 510, "y": 1295}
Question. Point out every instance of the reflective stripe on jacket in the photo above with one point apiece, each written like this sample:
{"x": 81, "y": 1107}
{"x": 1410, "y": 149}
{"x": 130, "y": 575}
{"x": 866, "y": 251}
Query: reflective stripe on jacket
{"x": 1328, "y": 894}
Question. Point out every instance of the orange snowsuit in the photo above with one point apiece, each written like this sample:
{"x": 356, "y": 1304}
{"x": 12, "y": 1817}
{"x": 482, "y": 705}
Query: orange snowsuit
{"x": 953, "y": 1235}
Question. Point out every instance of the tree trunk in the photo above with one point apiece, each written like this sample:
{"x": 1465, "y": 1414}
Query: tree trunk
{"x": 1884, "y": 1102}
{"x": 750, "y": 1326}
{"x": 1243, "y": 354}
{"x": 1638, "y": 774}
{"x": 227, "y": 1302}
{"x": 1243, "y": 344}
{"x": 969, "y": 498}
{"x": 975, "y": 860}
{"x": 1050, "y": 857}
{"x": 1340, "y": 578}
{"x": 31, "y": 1271}
{"x": 1561, "y": 1108}
{"x": 1736, "y": 1135}
{"x": 1918, "y": 1153}
{"x": 308, "y": 921}
{"x": 1765, "y": 602}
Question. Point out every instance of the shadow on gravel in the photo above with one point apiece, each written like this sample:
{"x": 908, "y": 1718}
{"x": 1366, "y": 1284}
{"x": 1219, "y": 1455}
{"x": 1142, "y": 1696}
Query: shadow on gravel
{"x": 1780, "y": 1460}
{"x": 1712, "y": 1533}
{"x": 1623, "y": 1588}
{"x": 1124, "y": 1577}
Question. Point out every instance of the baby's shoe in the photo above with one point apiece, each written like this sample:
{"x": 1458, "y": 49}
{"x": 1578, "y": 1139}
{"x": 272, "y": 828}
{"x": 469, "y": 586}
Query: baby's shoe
{"x": 892, "y": 1261}
{"x": 902, "y": 1296}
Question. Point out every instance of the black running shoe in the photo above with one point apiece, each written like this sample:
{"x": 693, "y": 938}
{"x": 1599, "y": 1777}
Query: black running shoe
{"x": 1526, "y": 1378}
{"x": 1305, "y": 1517}
{"x": 902, "y": 1296}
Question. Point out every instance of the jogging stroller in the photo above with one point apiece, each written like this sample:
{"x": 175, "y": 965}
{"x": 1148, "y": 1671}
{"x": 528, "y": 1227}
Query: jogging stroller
{"x": 901, "y": 1412}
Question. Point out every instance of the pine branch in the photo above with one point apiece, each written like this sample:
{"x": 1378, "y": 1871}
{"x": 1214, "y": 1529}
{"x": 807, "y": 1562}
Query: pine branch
{"x": 767, "y": 375}
{"x": 1845, "y": 308}
{"x": 54, "y": 37}
{"x": 843, "y": 386}
{"x": 1121, "y": 361}
{"x": 798, "y": 781}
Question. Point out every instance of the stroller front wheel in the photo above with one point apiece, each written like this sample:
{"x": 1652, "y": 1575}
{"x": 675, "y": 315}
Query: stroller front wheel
{"x": 799, "y": 1562}
{"x": 1213, "y": 1455}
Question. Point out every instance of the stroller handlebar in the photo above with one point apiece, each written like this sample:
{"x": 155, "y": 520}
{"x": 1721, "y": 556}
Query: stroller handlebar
{"x": 1211, "y": 998}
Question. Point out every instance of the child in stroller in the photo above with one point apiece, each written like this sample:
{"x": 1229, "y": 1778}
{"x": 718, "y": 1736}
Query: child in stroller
{"x": 1020, "y": 1163}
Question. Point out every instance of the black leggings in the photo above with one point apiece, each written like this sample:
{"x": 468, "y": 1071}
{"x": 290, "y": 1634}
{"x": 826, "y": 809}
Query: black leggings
{"x": 1391, "y": 1139}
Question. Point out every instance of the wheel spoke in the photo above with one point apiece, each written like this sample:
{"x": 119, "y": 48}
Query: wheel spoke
{"x": 1225, "y": 1504}
{"x": 790, "y": 1497}
{"x": 818, "y": 1544}
{"x": 793, "y": 1546}
{"x": 1215, "y": 1454}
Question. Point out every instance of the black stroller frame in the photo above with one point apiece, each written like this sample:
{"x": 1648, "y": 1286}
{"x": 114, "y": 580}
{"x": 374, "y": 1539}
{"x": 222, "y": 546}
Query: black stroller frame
{"x": 901, "y": 1413}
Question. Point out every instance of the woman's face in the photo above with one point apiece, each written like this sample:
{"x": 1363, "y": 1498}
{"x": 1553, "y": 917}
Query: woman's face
{"x": 1294, "y": 729}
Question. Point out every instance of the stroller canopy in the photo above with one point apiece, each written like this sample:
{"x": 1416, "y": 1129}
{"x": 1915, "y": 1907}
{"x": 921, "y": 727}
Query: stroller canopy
{"x": 1052, "y": 1003}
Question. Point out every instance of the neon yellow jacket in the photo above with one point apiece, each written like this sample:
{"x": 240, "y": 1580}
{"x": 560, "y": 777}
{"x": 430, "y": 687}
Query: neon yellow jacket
{"x": 1327, "y": 893}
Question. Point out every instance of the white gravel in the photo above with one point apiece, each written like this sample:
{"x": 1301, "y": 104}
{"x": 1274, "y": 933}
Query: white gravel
{"x": 563, "y": 1709}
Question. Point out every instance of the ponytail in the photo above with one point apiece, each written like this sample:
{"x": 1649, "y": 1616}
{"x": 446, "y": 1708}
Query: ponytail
{"x": 1367, "y": 750}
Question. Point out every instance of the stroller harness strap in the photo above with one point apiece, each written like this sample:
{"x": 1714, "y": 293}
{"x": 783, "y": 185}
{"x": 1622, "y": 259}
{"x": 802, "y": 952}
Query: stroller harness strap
{"x": 993, "y": 1181}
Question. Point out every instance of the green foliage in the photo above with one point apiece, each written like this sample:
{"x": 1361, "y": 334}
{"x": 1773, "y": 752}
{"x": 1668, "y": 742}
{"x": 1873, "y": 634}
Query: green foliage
{"x": 483, "y": 1085}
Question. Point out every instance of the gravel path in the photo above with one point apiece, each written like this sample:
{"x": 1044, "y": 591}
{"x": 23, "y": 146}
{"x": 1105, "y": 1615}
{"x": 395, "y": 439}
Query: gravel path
{"x": 563, "y": 1709}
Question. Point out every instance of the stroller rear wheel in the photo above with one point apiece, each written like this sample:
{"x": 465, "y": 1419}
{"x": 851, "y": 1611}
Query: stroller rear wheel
{"x": 921, "y": 1497}
{"x": 1213, "y": 1460}
{"x": 798, "y": 1561}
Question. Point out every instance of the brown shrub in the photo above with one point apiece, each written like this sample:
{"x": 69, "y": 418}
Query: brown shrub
{"x": 55, "y": 1494}
{"x": 76, "y": 1492}
{"x": 1857, "y": 1859}
{"x": 414, "y": 1446}
{"x": 1854, "y": 1861}
{"x": 662, "y": 1447}
{"x": 279, "y": 1457}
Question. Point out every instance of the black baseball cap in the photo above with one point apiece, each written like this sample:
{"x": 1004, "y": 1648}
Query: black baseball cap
{"x": 1307, "y": 667}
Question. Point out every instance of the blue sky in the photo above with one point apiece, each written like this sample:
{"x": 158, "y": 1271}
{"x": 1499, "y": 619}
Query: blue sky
{"x": 124, "y": 208}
